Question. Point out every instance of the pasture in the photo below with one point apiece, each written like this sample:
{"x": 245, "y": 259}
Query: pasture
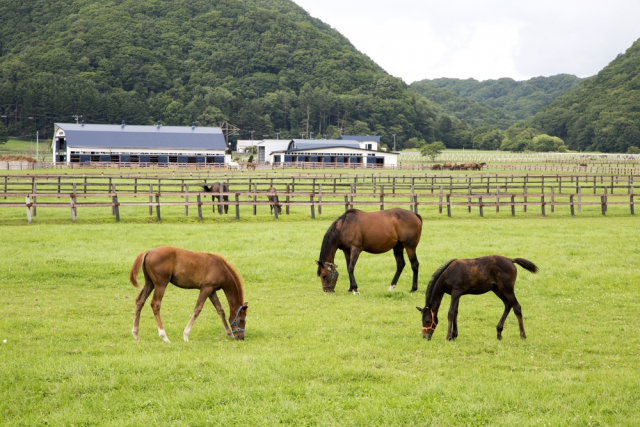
{"x": 311, "y": 358}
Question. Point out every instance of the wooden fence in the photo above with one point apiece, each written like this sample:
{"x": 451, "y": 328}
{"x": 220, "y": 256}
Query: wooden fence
{"x": 539, "y": 195}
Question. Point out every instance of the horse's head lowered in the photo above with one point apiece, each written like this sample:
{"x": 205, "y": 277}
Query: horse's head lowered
{"x": 238, "y": 322}
{"x": 429, "y": 322}
{"x": 328, "y": 273}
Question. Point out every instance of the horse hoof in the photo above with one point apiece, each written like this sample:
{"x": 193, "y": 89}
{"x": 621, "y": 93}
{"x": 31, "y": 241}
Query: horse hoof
{"x": 356, "y": 293}
{"x": 391, "y": 288}
{"x": 186, "y": 338}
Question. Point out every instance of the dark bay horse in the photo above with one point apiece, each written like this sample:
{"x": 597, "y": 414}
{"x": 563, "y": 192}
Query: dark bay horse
{"x": 189, "y": 270}
{"x": 473, "y": 276}
{"x": 273, "y": 198}
{"x": 216, "y": 187}
{"x": 374, "y": 232}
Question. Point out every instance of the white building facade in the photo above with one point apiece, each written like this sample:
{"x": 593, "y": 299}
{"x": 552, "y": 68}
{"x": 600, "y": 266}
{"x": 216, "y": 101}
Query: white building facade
{"x": 87, "y": 143}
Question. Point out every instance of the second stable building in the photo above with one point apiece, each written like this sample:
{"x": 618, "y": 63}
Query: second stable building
{"x": 164, "y": 145}
{"x": 344, "y": 152}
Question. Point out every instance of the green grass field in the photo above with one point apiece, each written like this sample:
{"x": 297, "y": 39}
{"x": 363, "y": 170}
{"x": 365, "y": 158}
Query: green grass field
{"x": 312, "y": 358}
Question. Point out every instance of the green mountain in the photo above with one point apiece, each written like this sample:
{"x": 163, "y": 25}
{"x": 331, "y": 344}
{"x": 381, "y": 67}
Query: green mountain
{"x": 603, "y": 112}
{"x": 266, "y": 66}
{"x": 499, "y": 103}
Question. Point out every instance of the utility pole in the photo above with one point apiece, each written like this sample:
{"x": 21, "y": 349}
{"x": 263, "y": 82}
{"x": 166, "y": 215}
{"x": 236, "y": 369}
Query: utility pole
{"x": 77, "y": 117}
{"x": 37, "y": 135}
{"x": 277, "y": 135}
{"x": 394, "y": 141}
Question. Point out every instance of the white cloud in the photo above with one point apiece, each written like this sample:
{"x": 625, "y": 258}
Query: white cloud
{"x": 417, "y": 39}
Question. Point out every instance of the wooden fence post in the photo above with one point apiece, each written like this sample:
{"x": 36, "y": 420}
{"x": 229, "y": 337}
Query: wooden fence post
{"x": 480, "y": 206}
{"x": 34, "y": 191}
{"x": 524, "y": 191}
{"x": 116, "y": 205}
{"x": 199, "y": 207}
{"x": 352, "y": 187}
{"x": 5, "y": 186}
{"x": 313, "y": 212}
{"x": 497, "y": 199}
{"x": 553, "y": 199}
{"x": 238, "y": 207}
{"x": 542, "y": 203}
{"x": 469, "y": 199}
{"x": 603, "y": 205}
{"x": 72, "y": 202}
{"x": 440, "y": 199}
{"x": 255, "y": 198}
{"x": 382, "y": 197}
{"x": 449, "y": 205}
{"x": 513, "y": 205}
{"x": 412, "y": 205}
{"x": 150, "y": 199}
{"x": 320, "y": 199}
{"x": 572, "y": 208}
{"x": 286, "y": 208}
{"x": 158, "y": 207}
{"x": 606, "y": 199}
{"x": 186, "y": 200}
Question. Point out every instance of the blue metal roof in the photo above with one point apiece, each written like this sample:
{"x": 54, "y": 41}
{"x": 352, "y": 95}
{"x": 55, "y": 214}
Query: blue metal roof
{"x": 313, "y": 144}
{"x": 361, "y": 138}
{"x": 130, "y": 136}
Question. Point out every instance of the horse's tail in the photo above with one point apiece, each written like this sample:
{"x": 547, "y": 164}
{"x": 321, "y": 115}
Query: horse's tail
{"x": 526, "y": 264}
{"x": 207, "y": 188}
{"x": 135, "y": 268}
{"x": 420, "y": 218}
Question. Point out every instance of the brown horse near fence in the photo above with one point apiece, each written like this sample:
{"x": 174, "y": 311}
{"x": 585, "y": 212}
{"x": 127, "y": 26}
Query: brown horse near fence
{"x": 374, "y": 232}
{"x": 273, "y": 199}
{"x": 473, "y": 276}
{"x": 217, "y": 187}
{"x": 189, "y": 270}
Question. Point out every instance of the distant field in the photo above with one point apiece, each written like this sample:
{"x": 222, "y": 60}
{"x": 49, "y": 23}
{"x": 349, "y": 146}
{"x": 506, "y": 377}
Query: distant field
{"x": 27, "y": 148}
{"x": 311, "y": 358}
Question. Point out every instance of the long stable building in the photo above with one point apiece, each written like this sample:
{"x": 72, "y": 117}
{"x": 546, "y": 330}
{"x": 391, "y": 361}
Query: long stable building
{"x": 84, "y": 143}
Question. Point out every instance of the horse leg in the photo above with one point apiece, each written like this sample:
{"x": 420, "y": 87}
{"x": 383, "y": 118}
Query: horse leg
{"x": 507, "y": 309}
{"x": 517, "y": 309}
{"x": 140, "y": 300}
{"x": 204, "y": 294}
{"x": 399, "y": 255}
{"x": 226, "y": 207}
{"x": 156, "y": 302}
{"x": 351, "y": 266}
{"x": 216, "y": 303}
{"x": 452, "y": 332}
{"x": 413, "y": 258}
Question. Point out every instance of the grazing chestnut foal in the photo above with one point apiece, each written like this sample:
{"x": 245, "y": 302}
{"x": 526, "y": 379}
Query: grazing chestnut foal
{"x": 473, "y": 276}
{"x": 189, "y": 270}
{"x": 374, "y": 232}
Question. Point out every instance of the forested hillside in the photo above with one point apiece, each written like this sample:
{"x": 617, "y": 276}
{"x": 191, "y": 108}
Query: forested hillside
{"x": 264, "y": 65}
{"x": 499, "y": 103}
{"x": 603, "y": 112}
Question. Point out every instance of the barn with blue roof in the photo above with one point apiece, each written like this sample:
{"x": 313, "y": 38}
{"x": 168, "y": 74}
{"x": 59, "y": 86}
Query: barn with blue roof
{"x": 333, "y": 152}
{"x": 144, "y": 145}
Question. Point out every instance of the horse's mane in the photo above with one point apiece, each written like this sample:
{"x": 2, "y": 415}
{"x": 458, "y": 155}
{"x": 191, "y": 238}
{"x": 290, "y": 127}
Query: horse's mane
{"x": 434, "y": 278}
{"x": 331, "y": 236}
{"x": 236, "y": 277}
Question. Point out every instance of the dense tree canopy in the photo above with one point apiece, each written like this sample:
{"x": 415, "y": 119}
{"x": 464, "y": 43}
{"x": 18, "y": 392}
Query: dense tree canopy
{"x": 264, "y": 65}
{"x": 603, "y": 112}
{"x": 498, "y": 103}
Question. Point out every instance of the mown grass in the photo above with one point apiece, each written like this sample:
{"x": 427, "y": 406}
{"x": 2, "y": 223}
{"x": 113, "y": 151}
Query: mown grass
{"x": 312, "y": 358}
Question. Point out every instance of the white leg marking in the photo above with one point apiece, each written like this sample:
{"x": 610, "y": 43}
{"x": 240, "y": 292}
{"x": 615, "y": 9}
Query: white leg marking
{"x": 392, "y": 288}
{"x": 186, "y": 333}
{"x": 356, "y": 293}
{"x": 135, "y": 334}
{"x": 163, "y": 335}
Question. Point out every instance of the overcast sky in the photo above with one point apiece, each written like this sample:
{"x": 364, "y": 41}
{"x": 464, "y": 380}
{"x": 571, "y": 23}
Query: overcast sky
{"x": 484, "y": 39}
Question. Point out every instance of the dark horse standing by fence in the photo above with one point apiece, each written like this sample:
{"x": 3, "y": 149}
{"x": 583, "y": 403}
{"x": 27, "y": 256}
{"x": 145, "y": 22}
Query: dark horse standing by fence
{"x": 216, "y": 187}
{"x": 273, "y": 199}
{"x": 189, "y": 270}
{"x": 374, "y": 232}
{"x": 473, "y": 276}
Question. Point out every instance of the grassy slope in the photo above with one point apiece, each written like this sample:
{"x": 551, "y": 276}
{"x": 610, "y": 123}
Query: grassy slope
{"x": 310, "y": 358}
